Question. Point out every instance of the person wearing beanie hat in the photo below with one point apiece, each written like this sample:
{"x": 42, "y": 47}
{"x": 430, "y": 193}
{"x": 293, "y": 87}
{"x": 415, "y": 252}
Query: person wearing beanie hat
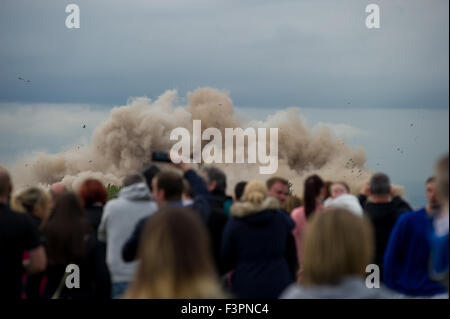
{"x": 258, "y": 245}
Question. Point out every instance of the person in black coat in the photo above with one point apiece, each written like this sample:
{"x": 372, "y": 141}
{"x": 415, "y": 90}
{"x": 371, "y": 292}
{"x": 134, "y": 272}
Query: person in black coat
{"x": 18, "y": 234}
{"x": 258, "y": 246}
{"x": 383, "y": 209}
{"x": 216, "y": 182}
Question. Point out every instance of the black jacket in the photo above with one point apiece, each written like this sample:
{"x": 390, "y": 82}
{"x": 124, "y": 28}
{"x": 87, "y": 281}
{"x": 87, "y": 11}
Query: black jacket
{"x": 216, "y": 224}
{"x": 258, "y": 245}
{"x": 18, "y": 233}
{"x": 383, "y": 217}
{"x": 94, "y": 216}
{"x": 94, "y": 275}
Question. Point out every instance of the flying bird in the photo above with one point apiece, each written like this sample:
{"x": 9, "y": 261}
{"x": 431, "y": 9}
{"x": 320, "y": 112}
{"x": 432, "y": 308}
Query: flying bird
{"x": 22, "y": 79}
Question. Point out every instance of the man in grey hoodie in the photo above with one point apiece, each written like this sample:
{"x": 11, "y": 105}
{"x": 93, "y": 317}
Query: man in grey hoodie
{"x": 118, "y": 221}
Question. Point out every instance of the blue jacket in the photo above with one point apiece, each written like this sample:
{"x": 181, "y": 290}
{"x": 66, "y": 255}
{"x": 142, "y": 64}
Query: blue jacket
{"x": 258, "y": 245}
{"x": 407, "y": 257}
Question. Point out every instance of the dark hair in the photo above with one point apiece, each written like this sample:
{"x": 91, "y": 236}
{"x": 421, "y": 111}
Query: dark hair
{"x": 239, "y": 190}
{"x": 66, "y": 230}
{"x": 149, "y": 173}
{"x": 171, "y": 183}
{"x": 273, "y": 180}
{"x": 430, "y": 179}
{"x": 187, "y": 189}
{"x": 92, "y": 191}
{"x": 132, "y": 179}
{"x": 313, "y": 187}
{"x": 215, "y": 174}
{"x": 5, "y": 182}
{"x": 380, "y": 184}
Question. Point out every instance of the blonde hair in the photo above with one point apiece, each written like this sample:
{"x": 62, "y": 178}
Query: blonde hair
{"x": 255, "y": 192}
{"x": 175, "y": 259}
{"x": 337, "y": 244}
{"x": 28, "y": 199}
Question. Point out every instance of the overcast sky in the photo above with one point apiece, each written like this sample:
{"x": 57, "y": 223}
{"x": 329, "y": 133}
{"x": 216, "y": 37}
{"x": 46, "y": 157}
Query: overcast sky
{"x": 267, "y": 53}
{"x": 314, "y": 54}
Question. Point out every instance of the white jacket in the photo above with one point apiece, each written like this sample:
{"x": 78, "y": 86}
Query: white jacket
{"x": 345, "y": 201}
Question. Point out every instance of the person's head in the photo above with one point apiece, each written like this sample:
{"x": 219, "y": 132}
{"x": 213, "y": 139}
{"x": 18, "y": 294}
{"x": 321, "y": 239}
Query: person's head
{"x": 337, "y": 244}
{"x": 255, "y": 192}
{"x": 278, "y": 187}
{"x": 431, "y": 193}
{"x": 239, "y": 190}
{"x": 132, "y": 179}
{"x": 380, "y": 187}
{"x": 291, "y": 203}
{"x": 32, "y": 200}
{"x": 339, "y": 188}
{"x": 216, "y": 180}
{"x": 5, "y": 185}
{"x": 167, "y": 187}
{"x": 313, "y": 194}
{"x": 441, "y": 173}
{"x": 175, "y": 258}
{"x": 149, "y": 173}
{"x": 91, "y": 192}
{"x": 57, "y": 189}
{"x": 65, "y": 230}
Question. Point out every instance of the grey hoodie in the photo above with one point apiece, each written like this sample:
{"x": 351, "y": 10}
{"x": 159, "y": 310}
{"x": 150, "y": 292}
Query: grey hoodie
{"x": 119, "y": 218}
{"x": 349, "y": 288}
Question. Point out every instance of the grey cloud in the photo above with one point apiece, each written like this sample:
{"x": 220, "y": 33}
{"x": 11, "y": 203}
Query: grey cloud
{"x": 267, "y": 53}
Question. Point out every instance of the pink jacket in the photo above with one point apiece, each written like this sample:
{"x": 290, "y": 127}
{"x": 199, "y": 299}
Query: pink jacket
{"x": 298, "y": 215}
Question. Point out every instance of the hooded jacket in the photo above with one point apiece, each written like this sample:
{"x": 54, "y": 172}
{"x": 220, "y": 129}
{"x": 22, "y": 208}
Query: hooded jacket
{"x": 349, "y": 288}
{"x": 345, "y": 201}
{"x": 118, "y": 221}
{"x": 257, "y": 243}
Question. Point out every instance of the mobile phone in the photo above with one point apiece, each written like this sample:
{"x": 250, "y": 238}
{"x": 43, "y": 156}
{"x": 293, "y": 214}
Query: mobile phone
{"x": 161, "y": 157}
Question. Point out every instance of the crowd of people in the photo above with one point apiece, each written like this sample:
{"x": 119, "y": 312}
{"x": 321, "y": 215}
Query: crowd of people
{"x": 173, "y": 232}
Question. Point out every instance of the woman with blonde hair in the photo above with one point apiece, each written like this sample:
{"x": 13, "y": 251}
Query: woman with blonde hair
{"x": 337, "y": 248}
{"x": 35, "y": 201}
{"x": 175, "y": 259}
{"x": 258, "y": 245}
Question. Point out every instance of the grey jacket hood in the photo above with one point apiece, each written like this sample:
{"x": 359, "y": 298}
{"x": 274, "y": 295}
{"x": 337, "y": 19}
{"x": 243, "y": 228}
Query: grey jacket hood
{"x": 349, "y": 288}
{"x": 137, "y": 191}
